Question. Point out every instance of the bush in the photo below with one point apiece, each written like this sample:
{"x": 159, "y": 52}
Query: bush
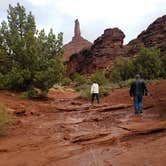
{"x": 122, "y": 69}
{"x": 125, "y": 83}
{"x": 104, "y": 91}
{"x": 99, "y": 77}
{"x": 163, "y": 67}
{"x": 85, "y": 92}
{"x": 66, "y": 81}
{"x": 78, "y": 79}
{"x": 148, "y": 63}
{"x": 29, "y": 58}
{"x": 5, "y": 120}
{"x": 2, "y": 81}
{"x": 30, "y": 93}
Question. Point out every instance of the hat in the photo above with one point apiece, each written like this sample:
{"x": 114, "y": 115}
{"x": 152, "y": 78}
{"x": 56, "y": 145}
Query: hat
{"x": 137, "y": 76}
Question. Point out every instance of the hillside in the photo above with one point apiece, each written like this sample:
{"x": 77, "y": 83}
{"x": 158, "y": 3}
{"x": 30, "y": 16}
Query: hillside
{"x": 63, "y": 130}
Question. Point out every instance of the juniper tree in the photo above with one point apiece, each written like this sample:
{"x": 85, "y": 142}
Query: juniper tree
{"x": 28, "y": 58}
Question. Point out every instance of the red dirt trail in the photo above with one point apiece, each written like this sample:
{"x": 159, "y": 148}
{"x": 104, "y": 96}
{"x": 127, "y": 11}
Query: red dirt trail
{"x": 65, "y": 131}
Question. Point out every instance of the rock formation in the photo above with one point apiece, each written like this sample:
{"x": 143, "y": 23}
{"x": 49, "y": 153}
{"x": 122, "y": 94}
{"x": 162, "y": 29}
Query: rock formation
{"x": 153, "y": 36}
{"x": 110, "y": 45}
{"x": 77, "y": 32}
{"x": 103, "y": 51}
{"x": 77, "y": 44}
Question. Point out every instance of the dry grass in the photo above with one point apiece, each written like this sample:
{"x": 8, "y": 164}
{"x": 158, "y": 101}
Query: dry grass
{"x": 5, "y": 119}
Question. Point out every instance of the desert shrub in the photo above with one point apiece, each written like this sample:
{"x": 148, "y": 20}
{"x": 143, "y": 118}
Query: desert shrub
{"x": 163, "y": 67}
{"x": 5, "y": 120}
{"x": 125, "y": 83}
{"x": 120, "y": 84}
{"x": 81, "y": 87}
{"x": 30, "y": 93}
{"x": 78, "y": 79}
{"x": 2, "y": 81}
{"x": 104, "y": 91}
{"x": 99, "y": 77}
{"x": 122, "y": 69}
{"x": 148, "y": 63}
{"x": 85, "y": 92}
{"x": 66, "y": 81}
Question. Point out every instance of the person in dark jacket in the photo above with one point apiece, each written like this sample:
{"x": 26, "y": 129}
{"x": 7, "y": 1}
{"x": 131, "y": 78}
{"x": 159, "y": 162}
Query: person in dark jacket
{"x": 137, "y": 90}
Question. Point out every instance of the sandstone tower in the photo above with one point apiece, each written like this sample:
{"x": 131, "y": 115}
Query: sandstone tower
{"x": 77, "y": 32}
{"x": 77, "y": 44}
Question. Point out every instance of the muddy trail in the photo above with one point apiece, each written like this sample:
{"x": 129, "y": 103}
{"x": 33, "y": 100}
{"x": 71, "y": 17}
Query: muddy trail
{"x": 65, "y": 131}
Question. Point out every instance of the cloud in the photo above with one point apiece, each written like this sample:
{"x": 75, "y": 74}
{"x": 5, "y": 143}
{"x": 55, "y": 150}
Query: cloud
{"x": 40, "y": 2}
{"x": 96, "y": 15}
{"x": 131, "y": 16}
{"x": 106, "y": 9}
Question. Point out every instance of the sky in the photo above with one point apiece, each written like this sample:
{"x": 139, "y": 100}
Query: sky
{"x": 131, "y": 16}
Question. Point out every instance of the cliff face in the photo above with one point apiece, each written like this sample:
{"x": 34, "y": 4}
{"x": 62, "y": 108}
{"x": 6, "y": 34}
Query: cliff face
{"x": 110, "y": 45}
{"x": 104, "y": 50}
{"x": 153, "y": 36}
{"x": 77, "y": 44}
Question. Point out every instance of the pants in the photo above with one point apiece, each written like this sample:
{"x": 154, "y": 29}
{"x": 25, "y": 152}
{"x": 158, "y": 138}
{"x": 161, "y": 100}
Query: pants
{"x": 138, "y": 104}
{"x": 95, "y": 95}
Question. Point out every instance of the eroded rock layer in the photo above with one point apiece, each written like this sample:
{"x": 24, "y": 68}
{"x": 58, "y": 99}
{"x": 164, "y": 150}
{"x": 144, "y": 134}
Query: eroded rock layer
{"x": 153, "y": 36}
{"x": 103, "y": 51}
{"x": 110, "y": 45}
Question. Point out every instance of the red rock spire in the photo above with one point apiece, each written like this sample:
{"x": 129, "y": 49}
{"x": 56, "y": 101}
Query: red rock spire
{"x": 77, "y": 32}
{"x": 76, "y": 44}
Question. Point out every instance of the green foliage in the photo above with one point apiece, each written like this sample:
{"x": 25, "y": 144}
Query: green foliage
{"x": 148, "y": 63}
{"x": 163, "y": 67}
{"x": 85, "y": 92}
{"x": 122, "y": 69}
{"x": 66, "y": 81}
{"x": 29, "y": 58}
{"x": 85, "y": 87}
{"x": 104, "y": 91}
{"x": 125, "y": 83}
{"x": 78, "y": 79}
{"x": 30, "y": 93}
{"x": 5, "y": 120}
{"x": 45, "y": 79}
{"x": 2, "y": 81}
{"x": 98, "y": 77}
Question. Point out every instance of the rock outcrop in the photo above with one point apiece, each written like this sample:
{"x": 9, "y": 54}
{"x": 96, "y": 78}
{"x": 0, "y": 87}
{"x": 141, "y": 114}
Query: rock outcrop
{"x": 99, "y": 56}
{"x": 110, "y": 45}
{"x": 153, "y": 36}
{"x": 77, "y": 44}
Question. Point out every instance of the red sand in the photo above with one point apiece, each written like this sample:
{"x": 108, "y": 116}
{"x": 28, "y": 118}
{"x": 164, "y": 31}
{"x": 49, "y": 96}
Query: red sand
{"x": 64, "y": 131}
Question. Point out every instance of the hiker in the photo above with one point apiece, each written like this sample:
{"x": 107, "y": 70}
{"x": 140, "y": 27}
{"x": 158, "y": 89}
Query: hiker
{"x": 95, "y": 92}
{"x": 137, "y": 90}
